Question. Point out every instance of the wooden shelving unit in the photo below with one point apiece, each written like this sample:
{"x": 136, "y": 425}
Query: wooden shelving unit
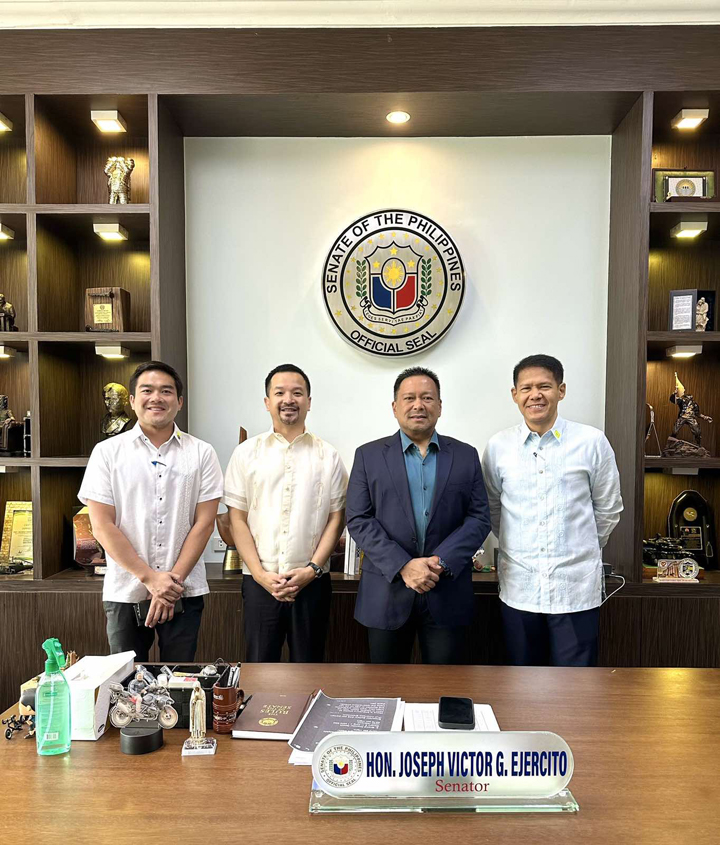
{"x": 52, "y": 190}
{"x": 644, "y": 269}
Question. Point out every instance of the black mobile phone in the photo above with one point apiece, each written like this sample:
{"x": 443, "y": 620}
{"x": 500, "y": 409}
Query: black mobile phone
{"x": 456, "y": 713}
{"x": 142, "y": 608}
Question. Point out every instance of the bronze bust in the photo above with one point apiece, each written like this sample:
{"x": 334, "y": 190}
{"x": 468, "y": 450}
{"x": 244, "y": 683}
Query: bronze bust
{"x": 11, "y": 431}
{"x": 116, "y": 420}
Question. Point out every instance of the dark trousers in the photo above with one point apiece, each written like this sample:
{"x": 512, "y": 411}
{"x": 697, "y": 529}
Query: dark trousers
{"x": 303, "y": 622}
{"x": 551, "y": 639}
{"x": 177, "y": 638}
{"x": 438, "y": 644}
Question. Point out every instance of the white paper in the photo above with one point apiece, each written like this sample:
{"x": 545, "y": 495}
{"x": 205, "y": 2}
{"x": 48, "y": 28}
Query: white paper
{"x": 424, "y": 717}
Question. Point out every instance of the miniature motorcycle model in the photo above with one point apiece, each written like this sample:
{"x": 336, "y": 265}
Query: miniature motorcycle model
{"x": 151, "y": 704}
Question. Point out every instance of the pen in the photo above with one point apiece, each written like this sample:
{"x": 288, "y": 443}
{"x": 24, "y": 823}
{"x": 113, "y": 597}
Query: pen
{"x": 244, "y": 704}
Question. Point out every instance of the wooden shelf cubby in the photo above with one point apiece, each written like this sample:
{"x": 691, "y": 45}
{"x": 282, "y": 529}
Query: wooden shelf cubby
{"x": 14, "y": 270}
{"x": 72, "y": 258}
{"x": 58, "y": 489}
{"x": 13, "y": 156}
{"x": 71, "y": 152}
{"x": 15, "y": 378}
{"x": 71, "y": 378}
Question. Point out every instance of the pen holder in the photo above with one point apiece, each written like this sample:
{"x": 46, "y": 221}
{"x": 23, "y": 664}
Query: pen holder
{"x": 226, "y": 701}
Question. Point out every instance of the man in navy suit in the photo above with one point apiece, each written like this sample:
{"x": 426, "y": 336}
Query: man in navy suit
{"x": 416, "y": 506}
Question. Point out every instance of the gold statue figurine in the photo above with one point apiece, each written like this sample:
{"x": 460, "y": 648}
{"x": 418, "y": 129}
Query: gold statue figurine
{"x": 118, "y": 170}
{"x": 116, "y": 400}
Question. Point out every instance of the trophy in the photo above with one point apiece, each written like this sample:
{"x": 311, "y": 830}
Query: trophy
{"x": 198, "y": 743}
{"x": 689, "y": 416}
{"x": 116, "y": 421}
{"x": 7, "y": 315}
{"x": 118, "y": 170}
{"x": 11, "y": 431}
{"x": 690, "y": 522}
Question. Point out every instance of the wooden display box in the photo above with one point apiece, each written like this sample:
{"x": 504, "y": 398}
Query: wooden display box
{"x": 107, "y": 310}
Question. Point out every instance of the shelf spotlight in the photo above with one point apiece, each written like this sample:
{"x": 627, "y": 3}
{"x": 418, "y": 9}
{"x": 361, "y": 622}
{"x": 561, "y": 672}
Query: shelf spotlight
{"x": 6, "y": 124}
{"x": 690, "y": 227}
{"x": 684, "y": 351}
{"x": 113, "y": 353}
{"x": 6, "y": 233}
{"x": 7, "y": 351}
{"x": 110, "y": 231}
{"x": 689, "y": 118}
{"x": 397, "y": 117}
{"x": 108, "y": 121}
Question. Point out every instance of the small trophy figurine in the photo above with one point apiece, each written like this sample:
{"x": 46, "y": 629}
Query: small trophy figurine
{"x": 198, "y": 743}
{"x": 688, "y": 415}
{"x": 7, "y": 315}
{"x": 701, "y": 314}
{"x": 118, "y": 170}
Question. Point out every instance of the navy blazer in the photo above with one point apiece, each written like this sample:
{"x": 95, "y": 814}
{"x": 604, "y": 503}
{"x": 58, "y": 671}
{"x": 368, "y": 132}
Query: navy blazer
{"x": 380, "y": 520}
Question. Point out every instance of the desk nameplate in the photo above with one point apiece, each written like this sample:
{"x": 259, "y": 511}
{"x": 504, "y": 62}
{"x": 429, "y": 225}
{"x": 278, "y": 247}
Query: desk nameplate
{"x": 459, "y": 771}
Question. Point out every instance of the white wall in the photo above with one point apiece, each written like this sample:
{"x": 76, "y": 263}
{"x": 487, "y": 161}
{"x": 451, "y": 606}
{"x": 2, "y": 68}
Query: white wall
{"x": 529, "y": 216}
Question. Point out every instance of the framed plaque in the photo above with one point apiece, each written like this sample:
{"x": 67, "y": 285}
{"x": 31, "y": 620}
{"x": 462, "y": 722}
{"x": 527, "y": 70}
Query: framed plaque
{"x": 17, "y": 535}
{"x": 683, "y": 185}
{"x": 107, "y": 310}
{"x": 691, "y": 310}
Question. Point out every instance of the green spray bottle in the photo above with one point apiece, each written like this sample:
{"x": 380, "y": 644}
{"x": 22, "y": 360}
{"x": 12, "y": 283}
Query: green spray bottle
{"x": 52, "y": 703}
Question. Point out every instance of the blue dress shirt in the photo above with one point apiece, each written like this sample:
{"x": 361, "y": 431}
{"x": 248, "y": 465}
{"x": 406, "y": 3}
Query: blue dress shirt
{"x": 421, "y": 481}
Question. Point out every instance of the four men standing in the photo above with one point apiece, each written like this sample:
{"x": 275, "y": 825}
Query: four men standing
{"x": 416, "y": 504}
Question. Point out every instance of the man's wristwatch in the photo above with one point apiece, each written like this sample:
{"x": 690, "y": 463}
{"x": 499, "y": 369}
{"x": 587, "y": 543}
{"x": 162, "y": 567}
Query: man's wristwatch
{"x": 446, "y": 569}
{"x": 316, "y": 569}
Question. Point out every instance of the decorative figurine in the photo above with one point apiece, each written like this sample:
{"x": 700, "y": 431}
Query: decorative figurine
{"x": 652, "y": 430}
{"x": 198, "y": 743}
{"x": 11, "y": 430}
{"x": 15, "y": 723}
{"x": 701, "y": 314}
{"x": 151, "y": 702}
{"x": 118, "y": 170}
{"x": 688, "y": 415}
{"x": 116, "y": 400}
{"x": 7, "y": 315}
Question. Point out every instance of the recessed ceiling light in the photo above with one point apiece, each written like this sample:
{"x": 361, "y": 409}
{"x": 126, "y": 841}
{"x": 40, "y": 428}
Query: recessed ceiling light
{"x": 108, "y": 121}
{"x": 683, "y": 351}
{"x": 397, "y": 117}
{"x": 690, "y": 226}
{"x": 6, "y": 124}
{"x": 111, "y": 352}
{"x": 689, "y": 118}
{"x": 110, "y": 231}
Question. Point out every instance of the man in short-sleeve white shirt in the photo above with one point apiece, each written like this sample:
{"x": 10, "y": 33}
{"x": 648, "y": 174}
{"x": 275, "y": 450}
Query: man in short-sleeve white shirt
{"x": 153, "y": 494}
{"x": 285, "y": 491}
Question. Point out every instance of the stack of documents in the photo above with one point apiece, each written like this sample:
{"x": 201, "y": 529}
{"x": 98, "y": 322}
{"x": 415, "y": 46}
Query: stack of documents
{"x": 326, "y": 715}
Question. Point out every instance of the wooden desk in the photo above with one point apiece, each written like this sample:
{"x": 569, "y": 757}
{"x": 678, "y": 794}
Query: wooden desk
{"x": 646, "y": 745}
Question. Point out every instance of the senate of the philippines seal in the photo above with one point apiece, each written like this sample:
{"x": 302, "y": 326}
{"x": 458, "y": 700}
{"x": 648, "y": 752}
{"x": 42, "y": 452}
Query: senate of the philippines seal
{"x": 393, "y": 283}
